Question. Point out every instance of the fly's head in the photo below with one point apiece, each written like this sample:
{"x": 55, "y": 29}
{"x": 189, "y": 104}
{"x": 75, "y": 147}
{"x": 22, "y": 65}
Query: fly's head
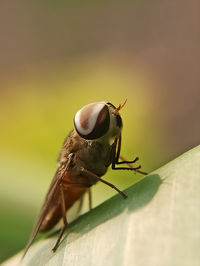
{"x": 99, "y": 121}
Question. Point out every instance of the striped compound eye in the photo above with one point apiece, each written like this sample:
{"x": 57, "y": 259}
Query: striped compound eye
{"x": 92, "y": 121}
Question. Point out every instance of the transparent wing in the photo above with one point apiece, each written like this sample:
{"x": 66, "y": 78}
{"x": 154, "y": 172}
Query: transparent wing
{"x": 54, "y": 187}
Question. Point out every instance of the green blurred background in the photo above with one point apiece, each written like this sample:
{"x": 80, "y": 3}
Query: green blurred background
{"x": 57, "y": 56}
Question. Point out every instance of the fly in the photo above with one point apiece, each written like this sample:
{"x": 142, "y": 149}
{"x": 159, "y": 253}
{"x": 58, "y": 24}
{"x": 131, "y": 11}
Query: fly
{"x": 89, "y": 149}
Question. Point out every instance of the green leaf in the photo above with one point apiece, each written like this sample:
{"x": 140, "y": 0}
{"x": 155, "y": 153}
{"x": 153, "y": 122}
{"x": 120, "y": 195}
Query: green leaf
{"x": 159, "y": 224}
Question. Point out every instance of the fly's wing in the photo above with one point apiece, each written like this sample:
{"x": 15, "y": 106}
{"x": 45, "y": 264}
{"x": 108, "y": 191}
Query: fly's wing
{"x": 54, "y": 187}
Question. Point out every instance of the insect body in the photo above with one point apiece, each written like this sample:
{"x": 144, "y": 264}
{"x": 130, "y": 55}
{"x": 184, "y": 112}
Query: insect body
{"x": 87, "y": 152}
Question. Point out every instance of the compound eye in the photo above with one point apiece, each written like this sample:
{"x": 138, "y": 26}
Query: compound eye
{"x": 92, "y": 121}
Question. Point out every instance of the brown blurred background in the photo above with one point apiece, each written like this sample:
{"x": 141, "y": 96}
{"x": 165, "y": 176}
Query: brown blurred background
{"x": 56, "y": 57}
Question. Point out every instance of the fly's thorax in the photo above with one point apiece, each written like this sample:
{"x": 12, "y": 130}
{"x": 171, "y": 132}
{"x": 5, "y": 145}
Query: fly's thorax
{"x": 95, "y": 157}
{"x": 98, "y": 121}
{"x": 91, "y": 154}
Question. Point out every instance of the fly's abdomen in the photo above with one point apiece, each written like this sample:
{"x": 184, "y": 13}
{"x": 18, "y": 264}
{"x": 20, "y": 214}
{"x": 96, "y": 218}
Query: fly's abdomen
{"x": 54, "y": 213}
{"x": 51, "y": 219}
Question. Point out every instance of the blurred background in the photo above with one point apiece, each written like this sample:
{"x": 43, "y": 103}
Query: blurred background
{"x": 57, "y": 56}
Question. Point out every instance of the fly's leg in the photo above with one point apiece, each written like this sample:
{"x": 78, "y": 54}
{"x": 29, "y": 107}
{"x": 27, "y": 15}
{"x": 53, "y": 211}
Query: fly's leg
{"x": 96, "y": 178}
{"x": 63, "y": 207}
{"x": 93, "y": 179}
{"x": 81, "y": 201}
{"x": 124, "y": 161}
{"x": 90, "y": 198}
{"x": 127, "y": 162}
{"x": 65, "y": 186}
{"x": 80, "y": 205}
{"x": 115, "y": 159}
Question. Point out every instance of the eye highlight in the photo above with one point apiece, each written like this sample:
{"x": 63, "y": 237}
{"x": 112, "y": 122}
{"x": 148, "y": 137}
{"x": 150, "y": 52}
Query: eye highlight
{"x": 92, "y": 121}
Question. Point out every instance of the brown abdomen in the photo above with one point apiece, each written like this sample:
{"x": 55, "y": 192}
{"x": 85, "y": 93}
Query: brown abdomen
{"x": 54, "y": 213}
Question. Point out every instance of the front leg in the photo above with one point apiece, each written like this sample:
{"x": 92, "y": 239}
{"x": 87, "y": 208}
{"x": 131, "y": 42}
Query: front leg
{"x": 116, "y": 155}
